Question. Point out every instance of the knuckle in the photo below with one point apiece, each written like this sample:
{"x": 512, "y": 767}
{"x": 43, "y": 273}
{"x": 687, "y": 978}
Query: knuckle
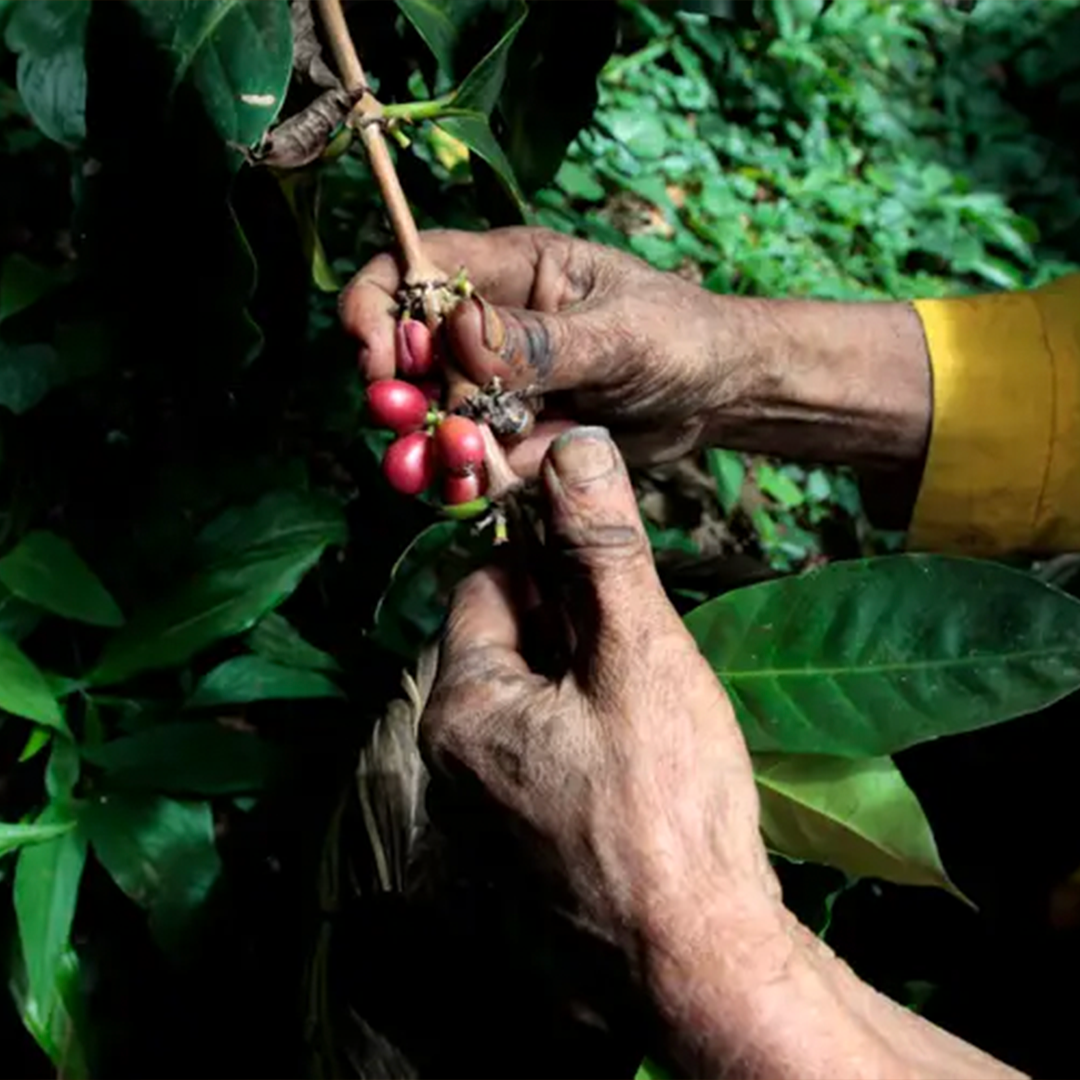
{"x": 614, "y": 544}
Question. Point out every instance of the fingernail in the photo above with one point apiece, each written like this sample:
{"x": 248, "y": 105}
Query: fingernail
{"x": 494, "y": 331}
{"x": 584, "y": 454}
{"x": 363, "y": 358}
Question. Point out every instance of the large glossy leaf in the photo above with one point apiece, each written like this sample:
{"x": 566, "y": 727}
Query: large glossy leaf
{"x": 435, "y": 23}
{"x": 24, "y": 691}
{"x": 479, "y": 89}
{"x": 49, "y": 37}
{"x": 46, "y": 570}
{"x": 236, "y": 53}
{"x": 858, "y": 816}
{"x": 159, "y": 851}
{"x": 474, "y": 130}
{"x": 275, "y": 638}
{"x": 14, "y": 835}
{"x": 254, "y": 678}
{"x": 865, "y": 658}
{"x": 57, "y": 1022}
{"x": 46, "y": 889}
{"x": 251, "y": 559}
{"x": 550, "y": 90}
{"x": 187, "y": 758}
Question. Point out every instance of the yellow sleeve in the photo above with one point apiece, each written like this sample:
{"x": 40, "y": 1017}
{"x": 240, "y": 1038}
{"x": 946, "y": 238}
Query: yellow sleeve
{"x": 1003, "y": 466}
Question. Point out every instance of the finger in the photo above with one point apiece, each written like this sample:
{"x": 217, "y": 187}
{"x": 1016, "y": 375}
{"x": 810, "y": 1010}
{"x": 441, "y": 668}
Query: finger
{"x": 515, "y": 266}
{"x": 368, "y": 311}
{"x": 526, "y": 456}
{"x": 526, "y": 348}
{"x": 614, "y": 592}
{"x": 483, "y": 624}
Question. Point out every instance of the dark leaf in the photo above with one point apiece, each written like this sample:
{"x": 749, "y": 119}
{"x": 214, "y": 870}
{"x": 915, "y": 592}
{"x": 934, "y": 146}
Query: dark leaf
{"x": 188, "y": 758}
{"x": 867, "y": 657}
{"x": 28, "y": 373}
{"x": 479, "y": 91}
{"x": 46, "y": 890}
{"x": 857, "y": 816}
{"x": 236, "y": 53}
{"x": 46, "y": 570}
{"x": 159, "y": 851}
{"x": 474, "y": 130}
{"x": 23, "y": 283}
{"x": 49, "y": 37}
{"x": 24, "y": 691}
{"x": 17, "y": 617}
{"x": 253, "y": 678}
{"x": 434, "y": 21}
{"x": 275, "y": 638}
{"x": 251, "y": 559}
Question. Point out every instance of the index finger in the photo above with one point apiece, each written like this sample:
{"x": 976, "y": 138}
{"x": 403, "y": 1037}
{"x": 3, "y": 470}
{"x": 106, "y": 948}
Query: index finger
{"x": 501, "y": 265}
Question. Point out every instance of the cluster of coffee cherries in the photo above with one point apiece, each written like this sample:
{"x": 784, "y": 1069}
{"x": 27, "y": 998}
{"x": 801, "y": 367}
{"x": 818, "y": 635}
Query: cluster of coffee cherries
{"x": 431, "y": 444}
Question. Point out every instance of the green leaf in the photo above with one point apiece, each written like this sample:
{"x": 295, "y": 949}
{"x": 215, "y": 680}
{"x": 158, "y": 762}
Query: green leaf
{"x": 159, "y": 851}
{"x": 652, "y": 1070}
{"x": 18, "y": 619}
{"x": 47, "y": 571}
{"x": 779, "y": 486}
{"x": 49, "y": 37}
{"x": 14, "y": 836}
{"x": 58, "y": 1022}
{"x": 46, "y": 890}
{"x": 24, "y": 282}
{"x": 62, "y": 771}
{"x": 579, "y": 182}
{"x": 254, "y": 678}
{"x": 412, "y": 607}
{"x": 24, "y": 691}
{"x": 28, "y": 373}
{"x": 435, "y": 25}
{"x": 474, "y": 130}
{"x": 864, "y": 658}
{"x": 251, "y": 559}
{"x": 729, "y": 471}
{"x": 188, "y": 758}
{"x": 479, "y": 91}
{"x": 236, "y": 53}
{"x": 275, "y": 638}
{"x": 857, "y": 816}
{"x": 36, "y": 741}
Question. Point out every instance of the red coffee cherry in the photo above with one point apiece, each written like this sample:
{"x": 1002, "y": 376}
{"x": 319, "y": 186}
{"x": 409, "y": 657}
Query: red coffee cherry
{"x": 397, "y": 405}
{"x": 461, "y": 488}
{"x": 459, "y": 444}
{"x": 415, "y": 349}
{"x": 409, "y": 463}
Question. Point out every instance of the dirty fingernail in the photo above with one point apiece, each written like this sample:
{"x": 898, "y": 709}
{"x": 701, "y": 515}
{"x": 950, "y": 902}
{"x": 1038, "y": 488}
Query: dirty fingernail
{"x": 494, "y": 330}
{"x": 584, "y": 454}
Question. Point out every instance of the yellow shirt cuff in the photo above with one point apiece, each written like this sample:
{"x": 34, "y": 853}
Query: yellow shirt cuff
{"x": 1003, "y": 466}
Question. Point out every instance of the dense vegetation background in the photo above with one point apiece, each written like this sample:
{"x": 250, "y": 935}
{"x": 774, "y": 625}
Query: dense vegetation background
{"x": 858, "y": 149}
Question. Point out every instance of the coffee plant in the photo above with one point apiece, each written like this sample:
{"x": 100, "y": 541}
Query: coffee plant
{"x": 222, "y": 557}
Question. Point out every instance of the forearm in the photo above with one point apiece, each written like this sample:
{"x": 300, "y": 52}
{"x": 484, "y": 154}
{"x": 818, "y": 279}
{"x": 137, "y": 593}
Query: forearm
{"x": 772, "y": 1001}
{"x": 841, "y": 382}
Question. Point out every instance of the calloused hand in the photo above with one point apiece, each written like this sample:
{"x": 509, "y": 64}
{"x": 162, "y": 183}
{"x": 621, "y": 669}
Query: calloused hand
{"x": 625, "y": 781}
{"x": 605, "y": 337}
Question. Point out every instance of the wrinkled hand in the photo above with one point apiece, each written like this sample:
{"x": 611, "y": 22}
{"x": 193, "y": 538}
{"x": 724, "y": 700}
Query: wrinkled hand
{"x": 626, "y": 781}
{"x": 608, "y": 339}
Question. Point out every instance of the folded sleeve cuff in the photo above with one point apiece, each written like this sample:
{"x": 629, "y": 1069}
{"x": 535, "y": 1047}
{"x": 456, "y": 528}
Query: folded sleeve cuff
{"x": 1003, "y": 463}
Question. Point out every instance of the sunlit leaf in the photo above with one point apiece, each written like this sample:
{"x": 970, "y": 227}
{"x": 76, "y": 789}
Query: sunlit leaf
{"x": 857, "y": 816}
{"x": 729, "y": 471}
{"x": 474, "y": 130}
{"x": 46, "y": 889}
{"x": 867, "y": 657}
{"x": 24, "y": 691}
{"x": 46, "y": 570}
{"x": 14, "y": 835}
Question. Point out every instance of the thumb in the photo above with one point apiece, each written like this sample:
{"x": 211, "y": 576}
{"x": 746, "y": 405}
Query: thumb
{"x": 613, "y": 591}
{"x": 524, "y": 347}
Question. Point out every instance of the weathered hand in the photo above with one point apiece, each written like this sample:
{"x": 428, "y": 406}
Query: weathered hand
{"x": 626, "y": 780}
{"x": 607, "y": 338}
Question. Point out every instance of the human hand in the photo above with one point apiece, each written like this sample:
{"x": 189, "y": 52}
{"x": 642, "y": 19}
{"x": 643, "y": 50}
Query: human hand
{"x": 604, "y": 336}
{"x": 625, "y": 781}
